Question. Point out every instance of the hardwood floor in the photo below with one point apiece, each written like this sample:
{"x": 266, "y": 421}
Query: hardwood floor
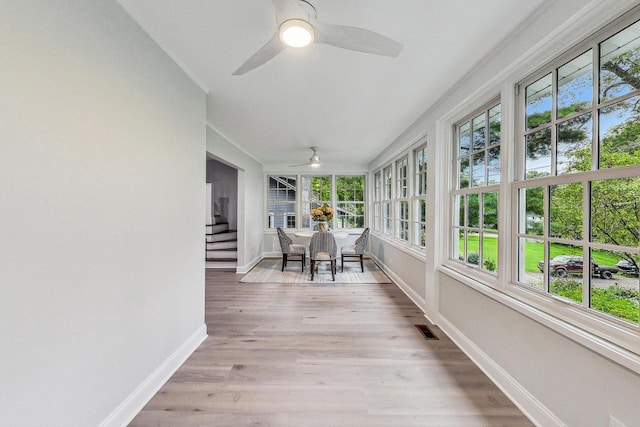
{"x": 323, "y": 355}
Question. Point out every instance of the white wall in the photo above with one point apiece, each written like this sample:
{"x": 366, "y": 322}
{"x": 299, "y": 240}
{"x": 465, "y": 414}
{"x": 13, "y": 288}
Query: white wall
{"x": 406, "y": 268}
{"x": 251, "y": 218}
{"x": 554, "y": 379}
{"x": 102, "y": 142}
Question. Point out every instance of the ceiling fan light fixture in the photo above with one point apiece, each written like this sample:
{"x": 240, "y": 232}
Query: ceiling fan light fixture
{"x": 296, "y": 33}
{"x": 315, "y": 159}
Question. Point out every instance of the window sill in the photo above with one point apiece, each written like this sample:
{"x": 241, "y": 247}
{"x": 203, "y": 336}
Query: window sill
{"x": 512, "y": 296}
{"x": 414, "y": 251}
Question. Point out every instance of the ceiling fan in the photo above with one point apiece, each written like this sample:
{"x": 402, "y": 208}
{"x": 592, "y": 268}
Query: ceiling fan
{"x": 298, "y": 27}
{"x": 314, "y": 160}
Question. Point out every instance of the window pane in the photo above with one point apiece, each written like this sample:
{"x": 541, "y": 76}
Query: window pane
{"x": 386, "y": 172}
{"x": 619, "y": 59}
{"x": 479, "y": 133}
{"x": 473, "y": 249}
{"x": 575, "y": 85}
{"x": 463, "y": 169}
{"x": 419, "y": 222}
{"x": 421, "y": 172}
{"x": 565, "y": 211}
{"x": 490, "y": 211}
{"x": 473, "y": 210}
{"x": 281, "y": 202}
{"x": 620, "y": 134}
{"x": 459, "y": 207}
{"x": 464, "y": 140}
{"x": 538, "y": 107}
{"x": 401, "y": 177}
{"x": 420, "y": 234}
{"x": 478, "y": 173}
{"x": 350, "y": 188}
{"x": 490, "y": 251}
{"x": 458, "y": 243}
{"x": 533, "y": 200}
{"x": 538, "y": 160}
{"x": 387, "y": 217}
{"x": 530, "y": 253}
{"x": 565, "y": 271}
{"x": 574, "y": 145}
{"x": 494, "y": 125}
{"x": 616, "y": 294}
{"x": 615, "y": 211}
{"x": 493, "y": 165}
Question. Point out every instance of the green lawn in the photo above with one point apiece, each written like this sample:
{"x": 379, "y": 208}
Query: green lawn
{"x": 534, "y": 252}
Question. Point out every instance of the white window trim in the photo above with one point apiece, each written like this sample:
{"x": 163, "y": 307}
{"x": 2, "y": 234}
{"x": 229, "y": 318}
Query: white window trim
{"x": 620, "y": 344}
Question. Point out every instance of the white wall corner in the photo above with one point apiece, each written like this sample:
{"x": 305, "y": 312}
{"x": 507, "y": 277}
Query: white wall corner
{"x": 538, "y": 413}
{"x": 131, "y": 406}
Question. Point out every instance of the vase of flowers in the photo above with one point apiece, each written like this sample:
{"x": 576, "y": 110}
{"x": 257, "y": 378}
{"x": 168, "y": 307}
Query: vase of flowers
{"x": 323, "y": 216}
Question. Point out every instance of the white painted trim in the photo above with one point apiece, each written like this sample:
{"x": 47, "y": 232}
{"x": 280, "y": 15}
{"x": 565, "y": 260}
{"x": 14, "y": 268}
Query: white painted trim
{"x": 538, "y": 413}
{"x": 404, "y": 287}
{"x": 230, "y": 141}
{"x": 242, "y": 269}
{"x": 591, "y": 341}
{"x": 131, "y": 406}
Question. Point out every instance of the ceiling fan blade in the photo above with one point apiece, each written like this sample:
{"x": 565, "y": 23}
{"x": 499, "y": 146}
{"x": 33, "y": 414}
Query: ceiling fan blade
{"x": 300, "y": 164}
{"x": 354, "y": 38}
{"x": 265, "y": 54}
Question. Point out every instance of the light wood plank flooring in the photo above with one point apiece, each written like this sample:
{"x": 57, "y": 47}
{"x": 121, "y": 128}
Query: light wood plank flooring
{"x": 323, "y": 355}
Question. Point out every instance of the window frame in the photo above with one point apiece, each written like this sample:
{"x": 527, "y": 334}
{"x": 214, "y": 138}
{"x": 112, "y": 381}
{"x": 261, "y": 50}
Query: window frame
{"x": 387, "y": 199}
{"x": 476, "y": 260}
{"x": 608, "y": 327}
{"x": 401, "y": 199}
{"x": 419, "y": 196}
{"x": 361, "y": 202}
{"x": 288, "y": 213}
{"x": 300, "y": 206}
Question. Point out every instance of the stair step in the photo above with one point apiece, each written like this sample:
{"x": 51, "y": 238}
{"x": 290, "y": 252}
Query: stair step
{"x": 218, "y": 228}
{"x": 230, "y": 244}
{"x": 222, "y": 237}
{"x": 222, "y": 254}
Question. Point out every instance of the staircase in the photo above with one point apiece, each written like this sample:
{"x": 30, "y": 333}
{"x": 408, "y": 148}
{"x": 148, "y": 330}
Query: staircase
{"x": 221, "y": 249}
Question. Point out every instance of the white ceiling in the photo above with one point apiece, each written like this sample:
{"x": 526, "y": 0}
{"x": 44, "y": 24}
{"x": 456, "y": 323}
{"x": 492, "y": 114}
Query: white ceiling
{"x": 351, "y": 105}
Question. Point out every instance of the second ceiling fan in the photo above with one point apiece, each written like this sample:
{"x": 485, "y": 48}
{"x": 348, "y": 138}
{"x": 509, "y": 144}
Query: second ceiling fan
{"x": 298, "y": 26}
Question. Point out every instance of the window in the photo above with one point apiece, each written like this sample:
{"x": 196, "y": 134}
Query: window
{"x": 386, "y": 203}
{"x": 347, "y": 201}
{"x": 475, "y": 198}
{"x": 419, "y": 201}
{"x": 350, "y": 196}
{"x": 377, "y": 203}
{"x": 316, "y": 191}
{"x": 401, "y": 202}
{"x": 281, "y": 201}
{"x": 579, "y": 188}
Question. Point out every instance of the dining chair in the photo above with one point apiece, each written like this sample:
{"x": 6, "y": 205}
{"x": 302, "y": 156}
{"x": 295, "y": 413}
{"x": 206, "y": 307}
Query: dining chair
{"x": 356, "y": 250}
{"x": 323, "y": 247}
{"x": 290, "y": 251}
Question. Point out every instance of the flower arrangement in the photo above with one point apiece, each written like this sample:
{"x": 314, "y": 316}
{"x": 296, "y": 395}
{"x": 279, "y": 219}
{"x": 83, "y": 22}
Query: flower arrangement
{"x": 322, "y": 213}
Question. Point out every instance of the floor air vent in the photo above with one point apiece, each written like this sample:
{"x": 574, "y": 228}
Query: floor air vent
{"x": 426, "y": 332}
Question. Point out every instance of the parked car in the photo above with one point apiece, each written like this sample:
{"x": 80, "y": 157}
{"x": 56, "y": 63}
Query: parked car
{"x": 563, "y": 265}
{"x": 627, "y": 267}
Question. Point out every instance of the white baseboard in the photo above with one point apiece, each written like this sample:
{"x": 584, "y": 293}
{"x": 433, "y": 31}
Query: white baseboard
{"x": 404, "y": 287}
{"x": 129, "y": 408}
{"x": 245, "y": 268}
{"x": 525, "y": 401}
